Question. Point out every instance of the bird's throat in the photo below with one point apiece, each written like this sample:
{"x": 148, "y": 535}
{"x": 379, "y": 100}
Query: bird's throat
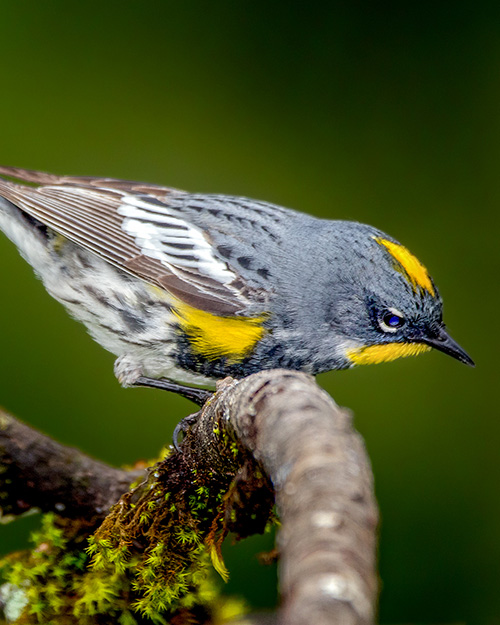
{"x": 373, "y": 354}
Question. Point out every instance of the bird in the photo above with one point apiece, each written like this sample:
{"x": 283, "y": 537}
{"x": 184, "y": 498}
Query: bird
{"x": 187, "y": 288}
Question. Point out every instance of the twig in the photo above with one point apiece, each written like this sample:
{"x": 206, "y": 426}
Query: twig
{"x": 39, "y": 473}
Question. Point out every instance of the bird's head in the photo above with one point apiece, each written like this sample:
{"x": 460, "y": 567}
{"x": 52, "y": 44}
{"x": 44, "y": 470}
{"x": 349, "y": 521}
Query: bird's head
{"x": 386, "y": 304}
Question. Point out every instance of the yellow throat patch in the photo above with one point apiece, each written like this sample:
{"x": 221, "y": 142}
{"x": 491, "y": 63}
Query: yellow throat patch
{"x": 373, "y": 354}
{"x": 409, "y": 265}
{"x": 215, "y": 337}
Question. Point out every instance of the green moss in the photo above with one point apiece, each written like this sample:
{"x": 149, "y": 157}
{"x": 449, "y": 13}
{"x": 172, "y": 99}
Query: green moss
{"x": 151, "y": 559}
{"x": 57, "y": 584}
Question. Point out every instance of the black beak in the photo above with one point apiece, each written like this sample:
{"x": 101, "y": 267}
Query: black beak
{"x": 442, "y": 341}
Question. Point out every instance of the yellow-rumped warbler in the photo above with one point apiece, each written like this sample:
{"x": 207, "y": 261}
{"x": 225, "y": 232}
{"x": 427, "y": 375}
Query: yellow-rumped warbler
{"x": 191, "y": 287}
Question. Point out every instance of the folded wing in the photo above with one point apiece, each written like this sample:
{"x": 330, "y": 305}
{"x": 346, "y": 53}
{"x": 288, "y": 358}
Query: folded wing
{"x": 130, "y": 225}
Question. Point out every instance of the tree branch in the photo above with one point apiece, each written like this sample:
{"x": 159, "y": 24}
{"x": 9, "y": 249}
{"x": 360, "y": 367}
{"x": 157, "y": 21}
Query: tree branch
{"x": 39, "y": 473}
{"x": 280, "y": 421}
{"x": 324, "y": 493}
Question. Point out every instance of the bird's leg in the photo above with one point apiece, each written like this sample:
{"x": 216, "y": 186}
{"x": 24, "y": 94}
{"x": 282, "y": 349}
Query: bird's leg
{"x": 197, "y": 395}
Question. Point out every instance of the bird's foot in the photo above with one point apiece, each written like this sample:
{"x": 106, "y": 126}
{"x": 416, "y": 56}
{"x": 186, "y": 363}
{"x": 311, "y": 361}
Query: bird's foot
{"x": 183, "y": 427}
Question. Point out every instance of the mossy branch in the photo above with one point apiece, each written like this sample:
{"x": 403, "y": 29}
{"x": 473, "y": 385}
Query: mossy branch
{"x": 273, "y": 428}
{"x": 324, "y": 493}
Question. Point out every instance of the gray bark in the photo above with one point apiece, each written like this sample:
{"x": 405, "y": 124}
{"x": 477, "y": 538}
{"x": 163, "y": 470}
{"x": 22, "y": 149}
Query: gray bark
{"x": 304, "y": 442}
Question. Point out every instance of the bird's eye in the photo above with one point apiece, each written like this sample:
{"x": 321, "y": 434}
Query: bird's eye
{"x": 391, "y": 320}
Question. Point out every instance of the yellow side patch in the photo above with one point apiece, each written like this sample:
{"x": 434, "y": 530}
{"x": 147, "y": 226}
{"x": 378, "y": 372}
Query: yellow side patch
{"x": 413, "y": 269}
{"x": 373, "y": 354}
{"x": 214, "y": 337}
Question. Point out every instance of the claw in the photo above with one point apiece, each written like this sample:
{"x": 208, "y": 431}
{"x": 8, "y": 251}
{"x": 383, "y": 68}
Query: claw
{"x": 183, "y": 427}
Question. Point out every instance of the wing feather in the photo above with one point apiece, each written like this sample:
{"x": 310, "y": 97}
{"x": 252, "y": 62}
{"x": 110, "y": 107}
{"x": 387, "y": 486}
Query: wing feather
{"x": 131, "y": 226}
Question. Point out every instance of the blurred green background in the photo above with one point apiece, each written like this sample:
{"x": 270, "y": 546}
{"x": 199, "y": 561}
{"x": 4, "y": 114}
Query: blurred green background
{"x": 386, "y": 113}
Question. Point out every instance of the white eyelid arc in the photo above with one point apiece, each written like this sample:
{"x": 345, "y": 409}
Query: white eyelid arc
{"x": 387, "y": 328}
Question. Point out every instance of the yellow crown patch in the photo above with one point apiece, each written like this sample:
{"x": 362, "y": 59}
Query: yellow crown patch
{"x": 409, "y": 265}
